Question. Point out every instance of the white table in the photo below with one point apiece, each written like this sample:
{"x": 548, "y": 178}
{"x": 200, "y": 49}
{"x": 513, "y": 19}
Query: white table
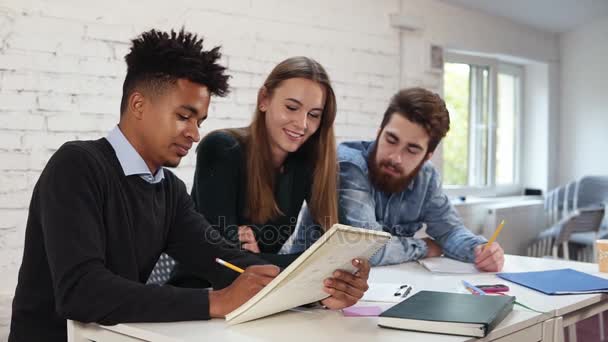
{"x": 325, "y": 325}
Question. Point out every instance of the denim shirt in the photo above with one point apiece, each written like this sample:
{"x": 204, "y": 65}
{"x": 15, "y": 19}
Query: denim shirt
{"x": 401, "y": 214}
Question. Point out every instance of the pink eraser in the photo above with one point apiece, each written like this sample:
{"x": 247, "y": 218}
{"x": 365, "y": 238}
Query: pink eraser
{"x": 362, "y": 311}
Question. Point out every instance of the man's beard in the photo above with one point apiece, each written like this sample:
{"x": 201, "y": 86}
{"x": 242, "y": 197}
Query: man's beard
{"x": 386, "y": 182}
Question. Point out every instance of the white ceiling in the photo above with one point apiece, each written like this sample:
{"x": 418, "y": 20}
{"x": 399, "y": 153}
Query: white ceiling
{"x": 555, "y": 16}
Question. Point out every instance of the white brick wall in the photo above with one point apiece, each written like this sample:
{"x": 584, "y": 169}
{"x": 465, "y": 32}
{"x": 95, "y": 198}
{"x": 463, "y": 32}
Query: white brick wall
{"x": 62, "y": 67}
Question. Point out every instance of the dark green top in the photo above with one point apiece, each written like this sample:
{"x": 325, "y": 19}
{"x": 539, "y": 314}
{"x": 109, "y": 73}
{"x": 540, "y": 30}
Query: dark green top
{"x": 219, "y": 193}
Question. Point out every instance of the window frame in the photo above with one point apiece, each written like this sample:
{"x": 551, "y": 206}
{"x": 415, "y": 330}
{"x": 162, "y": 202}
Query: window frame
{"x": 492, "y": 188}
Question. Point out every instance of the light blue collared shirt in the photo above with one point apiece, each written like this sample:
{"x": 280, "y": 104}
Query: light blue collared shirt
{"x": 131, "y": 162}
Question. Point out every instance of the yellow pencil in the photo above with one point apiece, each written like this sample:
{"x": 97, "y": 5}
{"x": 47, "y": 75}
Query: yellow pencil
{"x": 495, "y": 235}
{"x": 229, "y": 265}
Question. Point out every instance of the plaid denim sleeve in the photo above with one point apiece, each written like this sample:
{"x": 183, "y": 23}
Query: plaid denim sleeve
{"x": 445, "y": 225}
{"x": 357, "y": 208}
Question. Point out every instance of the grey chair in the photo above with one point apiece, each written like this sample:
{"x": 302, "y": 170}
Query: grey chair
{"x": 162, "y": 270}
{"x": 574, "y": 214}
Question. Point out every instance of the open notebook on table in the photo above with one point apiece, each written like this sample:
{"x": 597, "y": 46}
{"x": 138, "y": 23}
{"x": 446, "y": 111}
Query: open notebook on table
{"x": 302, "y": 281}
{"x": 447, "y": 265}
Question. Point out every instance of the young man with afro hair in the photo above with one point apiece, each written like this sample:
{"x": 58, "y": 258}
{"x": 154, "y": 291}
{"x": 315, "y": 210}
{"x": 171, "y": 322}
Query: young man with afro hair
{"x": 103, "y": 211}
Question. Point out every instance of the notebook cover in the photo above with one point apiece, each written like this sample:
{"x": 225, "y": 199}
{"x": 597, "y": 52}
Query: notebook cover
{"x": 488, "y": 311}
{"x": 562, "y": 281}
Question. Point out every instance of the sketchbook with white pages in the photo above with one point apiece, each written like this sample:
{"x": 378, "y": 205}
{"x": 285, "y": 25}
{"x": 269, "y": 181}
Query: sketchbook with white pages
{"x": 302, "y": 281}
{"x": 447, "y": 265}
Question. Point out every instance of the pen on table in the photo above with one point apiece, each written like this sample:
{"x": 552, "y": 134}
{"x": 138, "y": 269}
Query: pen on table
{"x": 229, "y": 265}
{"x": 495, "y": 235}
{"x": 473, "y": 288}
{"x": 409, "y": 289}
{"x": 399, "y": 293}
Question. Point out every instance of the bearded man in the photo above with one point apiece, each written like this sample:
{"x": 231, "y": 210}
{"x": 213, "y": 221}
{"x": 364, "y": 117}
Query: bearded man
{"x": 390, "y": 185}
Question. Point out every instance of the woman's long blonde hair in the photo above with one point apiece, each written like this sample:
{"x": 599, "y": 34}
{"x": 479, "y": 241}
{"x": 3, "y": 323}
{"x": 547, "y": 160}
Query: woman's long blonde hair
{"x": 319, "y": 149}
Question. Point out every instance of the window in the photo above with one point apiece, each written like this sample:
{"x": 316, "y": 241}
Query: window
{"x": 508, "y": 118}
{"x": 483, "y": 97}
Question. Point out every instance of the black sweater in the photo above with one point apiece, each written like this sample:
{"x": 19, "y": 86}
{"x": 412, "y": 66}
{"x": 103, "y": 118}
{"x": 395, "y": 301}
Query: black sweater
{"x": 92, "y": 239}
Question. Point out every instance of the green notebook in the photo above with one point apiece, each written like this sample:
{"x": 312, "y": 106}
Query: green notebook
{"x": 448, "y": 313}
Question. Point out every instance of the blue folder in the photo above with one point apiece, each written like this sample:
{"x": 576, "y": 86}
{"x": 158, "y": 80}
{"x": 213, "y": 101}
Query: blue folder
{"x": 556, "y": 282}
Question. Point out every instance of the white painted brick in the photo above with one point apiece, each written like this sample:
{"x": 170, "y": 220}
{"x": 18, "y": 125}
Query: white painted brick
{"x": 246, "y": 95}
{"x": 348, "y": 103}
{"x": 412, "y": 82}
{"x": 272, "y": 52}
{"x": 12, "y": 218}
{"x": 373, "y": 106}
{"x": 19, "y": 199}
{"x": 373, "y": 80}
{"x": 57, "y": 102}
{"x": 17, "y": 101}
{"x": 382, "y": 94}
{"x": 79, "y": 122}
{"x": 5, "y": 311}
{"x": 231, "y": 110}
{"x": 238, "y": 47}
{"x": 108, "y": 86}
{"x": 365, "y": 119}
{"x": 212, "y": 25}
{"x": 75, "y": 11}
{"x": 32, "y": 178}
{"x": 46, "y": 140}
{"x": 19, "y": 81}
{"x": 212, "y": 124}
{"x": 99, "y": 104}
{"x": 60, "y": 45}
{"x": 94, "y": 135}
{"x": 10, "y": 267}
{"x": 356, "y": 91}
{"x": 241, "y": 79}
{"x": 60, "y": 83}
{"x": 13, "y": 237}
{"x": 101, "y": 67}
{"x": 114, "y": 33}
{"x": 13, "y": 181}
{"x": 120, "y": 51}
{"x": 248, "y": 64}
{"x": 34, "y": 42}
{"x": 80, "y": 47}
{"x": 341, "y": 117}
{"x": 228, "y": 6}
{"x": 38, "y": 158}
{"x": 13, "y": 161}
{"x": 358, "y": 132}
{"x": 38, "y": 61}
{"x": 10, "y": 140}
{"x": 46, "y": 27}
{"x": 21, "y": 121}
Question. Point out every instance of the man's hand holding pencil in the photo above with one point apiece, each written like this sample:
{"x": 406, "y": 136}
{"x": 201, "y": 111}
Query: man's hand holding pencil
{"x": 490, "y": 257}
